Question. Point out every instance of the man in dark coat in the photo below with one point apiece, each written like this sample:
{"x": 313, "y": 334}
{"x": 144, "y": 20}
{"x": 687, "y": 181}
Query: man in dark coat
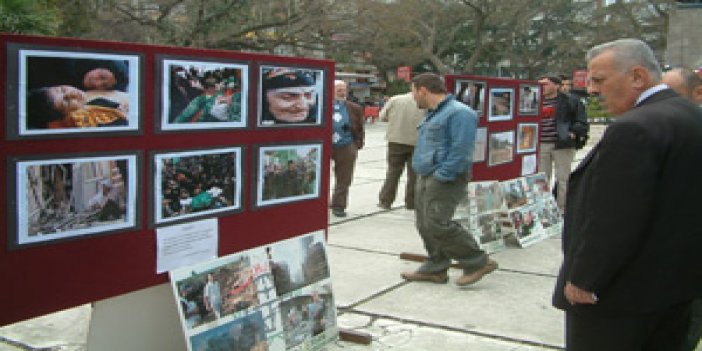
{"x": 631, "y": 237}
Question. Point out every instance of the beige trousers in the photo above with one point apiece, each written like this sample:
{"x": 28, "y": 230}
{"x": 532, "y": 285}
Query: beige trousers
{"x": 551, "y": 158}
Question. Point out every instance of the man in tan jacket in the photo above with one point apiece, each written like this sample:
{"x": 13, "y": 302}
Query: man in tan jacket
{"x": 403, "y": 116}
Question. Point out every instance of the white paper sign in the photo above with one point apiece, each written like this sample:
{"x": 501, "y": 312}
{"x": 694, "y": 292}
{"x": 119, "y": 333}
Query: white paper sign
{"x": 186, "y": 244}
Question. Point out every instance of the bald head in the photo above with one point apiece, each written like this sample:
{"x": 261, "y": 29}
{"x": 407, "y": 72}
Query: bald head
{"x": 686, "y": 82}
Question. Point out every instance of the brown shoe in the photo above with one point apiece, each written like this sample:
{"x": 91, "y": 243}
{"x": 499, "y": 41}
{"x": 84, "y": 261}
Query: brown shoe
{"x": 468, "y": 279}
{"x": 440, "y": 277}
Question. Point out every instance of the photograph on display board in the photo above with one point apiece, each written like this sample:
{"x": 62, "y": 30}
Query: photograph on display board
{"x": 480, "y": 145}
{"x": 246, "y": 333}
{"x": 471, "y": 93}
{"x": 538, "y": 185}
{"x": 490, "y": 227}
{"x": 196, "y": 183}
{"x": 297, "y": 262}
{"x": 216, "y": 291}
{"x": 232, "y": 300}
{"x": 309, "y": 318}
{"x": 61, "y": 92}
{"x": 487, "y": 196}
{"x": 290, "y": 96}
{"x": 529, "y": 99}
{"x": 501, "y": 103}
{"x": 288, "y": 173}
{"x": 550, "y": 216}
{"x": 74, "y": 197}
{"x": 527, "y": 136}
{"x": 525, "y": 222}
{"x": 528, "y": 164}
{"x": 501, "y": 148}
{"x": 203, "y": 95}
{"x": 515, "y": 192}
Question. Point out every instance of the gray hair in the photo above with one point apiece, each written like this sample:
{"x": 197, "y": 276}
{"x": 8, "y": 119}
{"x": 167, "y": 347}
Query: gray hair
{"x": 339, "y": 82}
{"x": 628, "y": 53}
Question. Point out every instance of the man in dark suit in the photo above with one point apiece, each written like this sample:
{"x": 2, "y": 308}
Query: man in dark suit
{"x": 631, "y": 237}
{"x": 347, "y": 139}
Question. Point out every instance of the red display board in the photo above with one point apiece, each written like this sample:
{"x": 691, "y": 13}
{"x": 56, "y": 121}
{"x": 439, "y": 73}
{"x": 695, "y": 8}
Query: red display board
{"x": 509, "y": 112}
{"x": 160, "y": 136}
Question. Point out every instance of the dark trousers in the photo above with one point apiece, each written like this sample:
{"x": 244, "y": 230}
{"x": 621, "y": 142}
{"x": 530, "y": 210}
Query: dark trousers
{"x": 444, "y": 239}
{"x": 661, "y": 331}
{"x": 344, "y": 159}
{"x": 399, "y": 157}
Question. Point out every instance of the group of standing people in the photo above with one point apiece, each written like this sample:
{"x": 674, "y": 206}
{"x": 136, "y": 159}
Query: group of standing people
{"x": 631, "y": 277}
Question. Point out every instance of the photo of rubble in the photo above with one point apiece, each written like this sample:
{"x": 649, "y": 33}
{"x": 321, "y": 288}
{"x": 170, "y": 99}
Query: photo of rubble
{"x": 298, "y": 262}
{"x": 73, "y": 197}
{"x": 215, "y": 292}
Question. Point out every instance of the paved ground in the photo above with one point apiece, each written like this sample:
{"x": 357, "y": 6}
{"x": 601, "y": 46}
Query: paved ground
{"x": 508, "y": 310}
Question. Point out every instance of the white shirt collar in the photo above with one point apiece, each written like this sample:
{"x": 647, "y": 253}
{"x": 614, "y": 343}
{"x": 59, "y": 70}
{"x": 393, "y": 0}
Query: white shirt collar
{"x": 650, "y": 91}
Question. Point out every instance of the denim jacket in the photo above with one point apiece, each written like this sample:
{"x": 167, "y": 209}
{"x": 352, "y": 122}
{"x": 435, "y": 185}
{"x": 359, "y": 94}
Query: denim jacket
{"x": 446, "y": 140}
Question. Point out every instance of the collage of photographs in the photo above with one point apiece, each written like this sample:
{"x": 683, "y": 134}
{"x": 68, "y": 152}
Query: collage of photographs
{"x": 274, "y": 297}
{"x": 516, "y": 212}
{"x": 502, "y": 104}
{"x": 63, "y": 93}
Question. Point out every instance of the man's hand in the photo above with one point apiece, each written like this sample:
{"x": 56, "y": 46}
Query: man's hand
{"x": 576, "y": 295}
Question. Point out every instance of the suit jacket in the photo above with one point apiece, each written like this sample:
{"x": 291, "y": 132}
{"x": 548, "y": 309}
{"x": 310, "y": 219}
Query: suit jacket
{"x": 356, "y": 120}
{"x": 632, "y": 230}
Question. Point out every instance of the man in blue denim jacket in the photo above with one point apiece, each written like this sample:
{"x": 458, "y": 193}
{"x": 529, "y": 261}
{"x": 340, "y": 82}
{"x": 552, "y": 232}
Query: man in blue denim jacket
{"x": 442, "y": 161}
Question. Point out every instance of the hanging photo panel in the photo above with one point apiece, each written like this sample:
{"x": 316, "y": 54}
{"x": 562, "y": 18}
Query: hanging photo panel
{"x": 57, "y": 93}
{"x": 72, "y": 197}
{"x": 198, "y": 94}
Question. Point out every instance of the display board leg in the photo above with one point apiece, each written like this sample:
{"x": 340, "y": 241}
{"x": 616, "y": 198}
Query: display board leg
{"x": 421, "y": 258}
{"x": 142, "y": 320}
{"x": 355, "y": 336}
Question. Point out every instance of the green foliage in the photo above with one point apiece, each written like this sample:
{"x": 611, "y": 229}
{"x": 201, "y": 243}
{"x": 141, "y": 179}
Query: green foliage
{"x": 28, "y": 17}
{"x": 396, "y": 87}
{"x": 594, "y": 109}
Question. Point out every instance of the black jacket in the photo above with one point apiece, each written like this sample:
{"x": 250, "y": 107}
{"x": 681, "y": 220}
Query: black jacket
{"x": 570, "y": 117}
{"x": 632, "y": 232}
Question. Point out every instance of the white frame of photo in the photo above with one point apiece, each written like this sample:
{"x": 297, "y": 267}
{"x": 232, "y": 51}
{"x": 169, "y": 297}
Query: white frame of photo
{"x": 480, "y": 148}
{"x": 480, "y": 106}
{"x": 319, "y": 76}
{"x": 520, "y": 137}
{"x": 28, "y": 51}
{"x": 19, "y": 221}
{"x": 502, "y": 117}
{"x": 536, "y": 90}
{"x": 261, "y": 170}
{"x": 499, "y": 134}
{"x": 165, "y": 63}
{"x": 157, "y": 196}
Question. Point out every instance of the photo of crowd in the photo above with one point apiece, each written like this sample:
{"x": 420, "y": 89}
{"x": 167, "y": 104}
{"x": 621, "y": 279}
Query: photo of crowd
{"x": 290, "y": 96}
{"x": 65, "y": 92}
{"x": 203, "y": 95}
{"x": 197, "y": 183}
{"x": 66, "y": 198}
{"x": 288, "y": 173}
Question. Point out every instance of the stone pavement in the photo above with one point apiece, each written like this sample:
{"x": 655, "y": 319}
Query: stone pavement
{"x": 508, "y": 310}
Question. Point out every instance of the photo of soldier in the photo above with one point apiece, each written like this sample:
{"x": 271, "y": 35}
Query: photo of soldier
{"x": 289, "y": 173}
